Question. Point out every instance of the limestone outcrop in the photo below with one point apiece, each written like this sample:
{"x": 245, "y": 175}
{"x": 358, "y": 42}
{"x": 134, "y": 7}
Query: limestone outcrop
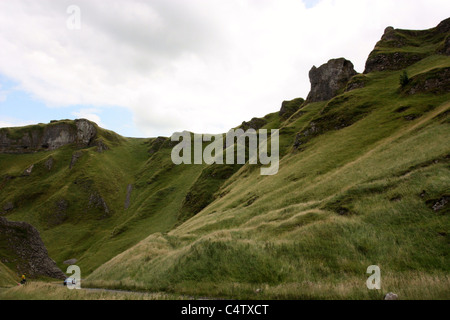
{"x": 26, "y": 250}
{"x": 47, "y": 137}
{"x": 329, "y": 79}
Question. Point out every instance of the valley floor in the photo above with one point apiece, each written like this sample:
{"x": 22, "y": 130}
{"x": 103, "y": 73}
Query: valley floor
{"x": 411, "y": 286}
{"x": 53, "y": 291}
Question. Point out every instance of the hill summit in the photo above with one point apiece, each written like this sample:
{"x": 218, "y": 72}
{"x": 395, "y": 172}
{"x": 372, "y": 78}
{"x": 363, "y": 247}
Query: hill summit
{"x": 47, "y": 137}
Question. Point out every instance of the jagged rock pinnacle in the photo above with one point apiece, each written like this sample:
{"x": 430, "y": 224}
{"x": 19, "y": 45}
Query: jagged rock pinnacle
{"x": 329, "y": 79}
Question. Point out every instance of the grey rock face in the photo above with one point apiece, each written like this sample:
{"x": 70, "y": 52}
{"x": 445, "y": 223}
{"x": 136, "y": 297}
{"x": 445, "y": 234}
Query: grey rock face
{"x": 444, "y": 26}
{"x": 86, "y": 132}
{"x": 391, "y": 296}
{"x": 255, "y": 124}
{"x": 49, "y": 163}
{"x": 391, "y": 61}
{"x": 288, "y": 108}
{"x": 101, "y": 146}
{"x": 441, "y": 204}
{"x": 70, "y": 262}
{"x": 53, "y": 136}
{"x": 96, "y": 201}
{"x": 28, "y": 171}
{"x": 128, "y": 198}
{"x": 394, "y": 39}
{"x": 381, "y": 59}
{"x": 329, "y": 79}
{"x": 77, "y": 155}
{"x": 31, "y": 256}
{"x": 436, "y": 81}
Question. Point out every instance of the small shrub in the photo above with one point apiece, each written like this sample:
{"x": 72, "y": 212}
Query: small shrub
{"x": 404, "y": 79}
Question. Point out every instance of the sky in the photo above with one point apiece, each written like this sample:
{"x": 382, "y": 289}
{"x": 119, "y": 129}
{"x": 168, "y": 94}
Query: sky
{"x": 147, "y": 68}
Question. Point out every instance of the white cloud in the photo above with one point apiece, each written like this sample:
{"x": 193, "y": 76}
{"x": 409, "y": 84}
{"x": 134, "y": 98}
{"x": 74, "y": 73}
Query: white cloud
{"x": 200, "y": 65}
{"x": 89, "y": 114}
{"x": 8, "y": 122}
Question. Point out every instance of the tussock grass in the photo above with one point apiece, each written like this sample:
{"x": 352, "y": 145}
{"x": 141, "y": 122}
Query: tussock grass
{"x": 350, "y": 199}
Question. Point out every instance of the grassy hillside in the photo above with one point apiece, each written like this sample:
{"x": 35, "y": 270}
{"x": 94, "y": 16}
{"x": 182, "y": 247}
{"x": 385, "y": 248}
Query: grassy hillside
{"x": 360, "y": 183}
{"x": 80, "y": 211}
{"x": 364, "y": 180}
{"x": 7, "y": 277}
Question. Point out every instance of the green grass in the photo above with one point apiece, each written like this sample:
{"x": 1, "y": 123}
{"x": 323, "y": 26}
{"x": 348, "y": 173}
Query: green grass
{"x": 7, "y": 277}
{"x": 85, "y": 231}
{"x": 51, "y": 291}
{"x": 358, "y": 179}
{"x": 346, "y": 201}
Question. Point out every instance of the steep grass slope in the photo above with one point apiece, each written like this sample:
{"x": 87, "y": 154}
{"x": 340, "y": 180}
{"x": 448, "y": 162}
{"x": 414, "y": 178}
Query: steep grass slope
{"x": 7, "y": 277}
{"x": 364, "y": 180}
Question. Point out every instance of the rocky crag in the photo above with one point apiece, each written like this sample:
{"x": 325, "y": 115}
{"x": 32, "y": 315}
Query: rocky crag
{"x": 329, "y": 79}
{"x": 22, "y": 247}
{"x": 47, "y": 137}
{"x": 399, "y": 49}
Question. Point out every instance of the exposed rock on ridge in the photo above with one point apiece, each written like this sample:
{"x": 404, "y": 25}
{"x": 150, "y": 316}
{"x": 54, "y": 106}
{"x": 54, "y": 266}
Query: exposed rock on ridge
{"x": 255, "y": 124}
{"x": 391, "y": 61}
{"x": 444, "y": 26}
{"x": 397, "y": 48}
{"x": 436, "y": 81}
{"x": 50, "y": 137}
{"x": 329, "y": 79}
{"x": 288, "y": 108}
